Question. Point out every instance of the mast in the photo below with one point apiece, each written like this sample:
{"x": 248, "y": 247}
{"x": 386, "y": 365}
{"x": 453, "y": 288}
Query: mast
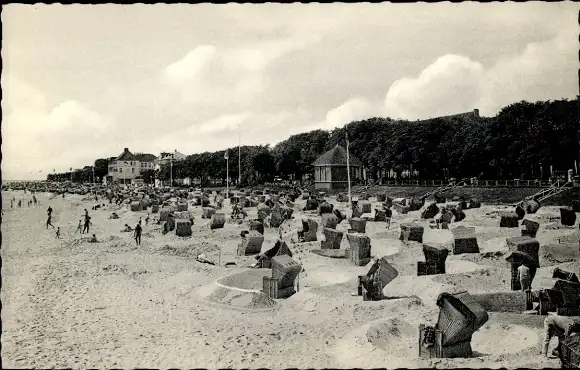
{"x": 348, "y": 169}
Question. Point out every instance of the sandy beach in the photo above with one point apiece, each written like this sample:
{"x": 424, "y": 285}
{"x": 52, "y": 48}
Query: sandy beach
{"x": 70, "y": 303}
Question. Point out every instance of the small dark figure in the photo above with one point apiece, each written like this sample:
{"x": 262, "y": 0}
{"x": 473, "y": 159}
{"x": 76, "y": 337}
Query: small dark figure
{"x": 19, "y": 203}
{"x": 49, "y": 210}
{"x": 138, "y": 234}
{"x": 79, "y": 227}
{"x": 48, "y": 221}
{"x": 87, "y": 223}
{"x": 93, "y": 239}
{"x": 147, "y": 220}
{"x": 58, "y": 232}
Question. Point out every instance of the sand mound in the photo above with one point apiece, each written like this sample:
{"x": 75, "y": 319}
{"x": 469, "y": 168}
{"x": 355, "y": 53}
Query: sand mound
{"x": 489, "y": 279}
{"x": 394, "y": 336}
{"x": 235, "y": 298}
{"x": 424, "y": 287}
{"x": 457, "y": 266}
{"x": 553, "y": 254}
{"x": 330, "y": 253}
{"x": 190, "y": 250}
{"x": 493, "y": 245}
{"x": 250, "y": 279}
{"x": 500, "y": 338}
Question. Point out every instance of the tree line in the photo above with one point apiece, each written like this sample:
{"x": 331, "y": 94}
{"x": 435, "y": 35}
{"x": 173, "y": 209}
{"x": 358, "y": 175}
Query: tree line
{"x": 522, "y": 141}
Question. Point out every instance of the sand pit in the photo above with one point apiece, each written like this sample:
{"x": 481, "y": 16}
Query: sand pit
{"x": 236, "y": 298}
{"x": 250, "y": 279}
{"x": 500, "y": 339}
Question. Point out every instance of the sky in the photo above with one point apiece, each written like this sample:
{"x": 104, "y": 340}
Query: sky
{"x": 82, "y": 82}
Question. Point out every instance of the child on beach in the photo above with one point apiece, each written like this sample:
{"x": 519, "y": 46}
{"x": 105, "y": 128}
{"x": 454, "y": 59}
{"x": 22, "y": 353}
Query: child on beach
{"x": 147, "y": 219}
{"x": 79, "y": 227}
{"x": 58, "y": 232}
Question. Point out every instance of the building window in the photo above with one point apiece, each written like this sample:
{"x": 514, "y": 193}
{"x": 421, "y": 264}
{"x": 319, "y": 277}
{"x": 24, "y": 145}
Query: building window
{"x": 132, "y": 170}
{"x": 121, "y": 170}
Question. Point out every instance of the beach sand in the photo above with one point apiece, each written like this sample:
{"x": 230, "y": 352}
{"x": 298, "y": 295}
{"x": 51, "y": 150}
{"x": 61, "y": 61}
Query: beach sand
{"x": 70, "y": 303}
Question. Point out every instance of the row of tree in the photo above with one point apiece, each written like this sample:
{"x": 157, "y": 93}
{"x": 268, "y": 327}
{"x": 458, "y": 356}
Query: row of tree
{"x": 524, "y": 140}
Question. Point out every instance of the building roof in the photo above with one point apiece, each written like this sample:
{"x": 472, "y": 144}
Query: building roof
{"x": 336, "y": 157}
{"x": 144, "y": 157}
{"x": 126, "y": 156}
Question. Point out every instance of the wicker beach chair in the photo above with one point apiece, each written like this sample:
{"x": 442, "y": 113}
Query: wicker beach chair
{"x": 460, "y": 316}
{"x": 371, "y": 285}
{"x": 569, "y": 352}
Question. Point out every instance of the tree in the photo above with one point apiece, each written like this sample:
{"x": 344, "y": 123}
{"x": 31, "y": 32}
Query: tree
{"x": 148, "y": 176}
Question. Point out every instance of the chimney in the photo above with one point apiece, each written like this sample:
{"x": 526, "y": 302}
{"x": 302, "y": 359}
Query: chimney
{"x": 476, "y": 113}
{"x": 126, "y": 149}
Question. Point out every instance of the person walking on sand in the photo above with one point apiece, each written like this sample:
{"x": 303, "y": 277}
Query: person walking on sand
{"x": 138, "y": 234}
{"x": 48, "y": 221}
{"x": 561, "y": 327}
{"x": 525, "y": 278}
{"x": 87, "y": 223}
{"x": 79, "y": 227}
{"x": 49, "y": 211}
{"x": 19, "y": 203}
{"x": 11, "y": 203}
{"x": 147, "y": 219}
{"x": 58, "y": 232}
{"x": 34, "y": 199}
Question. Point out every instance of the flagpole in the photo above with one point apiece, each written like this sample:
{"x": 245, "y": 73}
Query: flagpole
{"x": 348, "y": 169}
{"x": 239, "y": 155}
{"x": 227, "y": 176}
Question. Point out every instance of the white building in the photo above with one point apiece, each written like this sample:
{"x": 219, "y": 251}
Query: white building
{"x": 166, "y": 158}
{"x": 128, "y": 166}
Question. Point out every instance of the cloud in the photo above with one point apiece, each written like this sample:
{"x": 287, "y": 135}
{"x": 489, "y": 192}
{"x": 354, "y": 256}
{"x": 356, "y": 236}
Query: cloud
{"x": 455, "y": 83}
{"x": 191, "y": 64}
{"x": 37, "y": 137}
{"x": 219, "y": 133}
{"x": 227, "y": 122}
{"x": 352, "y": 110}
